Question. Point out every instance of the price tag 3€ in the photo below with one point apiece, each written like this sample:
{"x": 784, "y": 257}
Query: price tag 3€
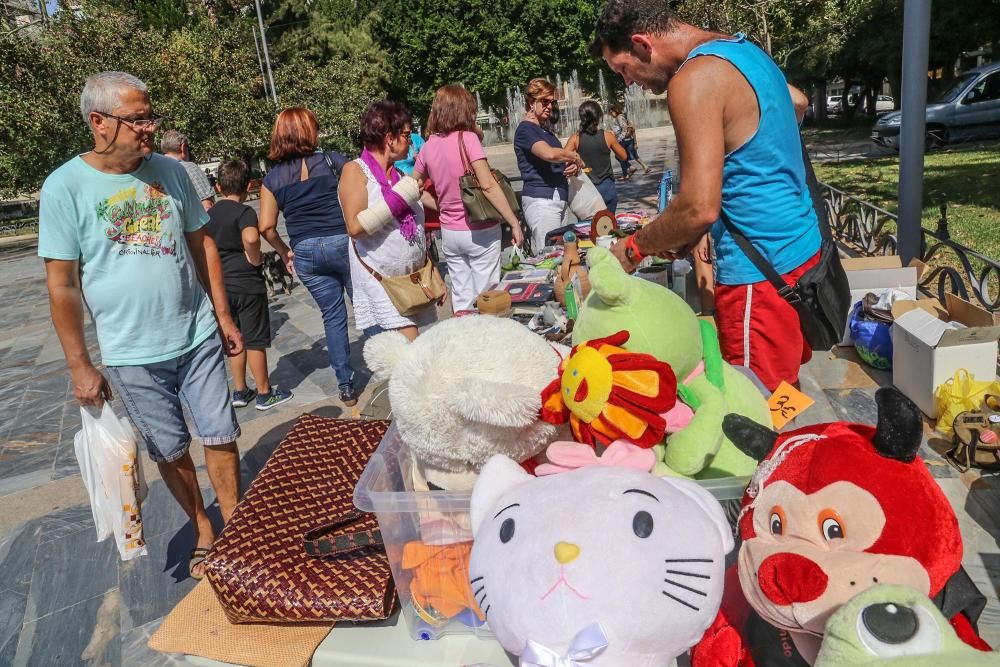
{"x": 787, "y": 403}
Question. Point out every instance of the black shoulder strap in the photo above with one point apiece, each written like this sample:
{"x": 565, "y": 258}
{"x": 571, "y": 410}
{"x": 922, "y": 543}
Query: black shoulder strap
{"x": 765, "y": 267}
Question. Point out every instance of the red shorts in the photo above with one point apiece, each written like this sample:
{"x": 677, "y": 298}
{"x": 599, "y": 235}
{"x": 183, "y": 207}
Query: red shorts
{"x": 760, "y": 330}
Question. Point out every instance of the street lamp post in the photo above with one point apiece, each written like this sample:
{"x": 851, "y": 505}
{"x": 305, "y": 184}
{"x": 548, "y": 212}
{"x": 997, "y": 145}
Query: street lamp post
{"x": 916, "y": 35}
{"x": 267, "y": 57}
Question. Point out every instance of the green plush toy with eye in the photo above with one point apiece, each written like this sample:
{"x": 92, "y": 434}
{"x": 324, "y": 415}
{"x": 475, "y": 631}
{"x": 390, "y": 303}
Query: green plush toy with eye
{"x": 661, "y": 324}
{"x": 897, "y": 627}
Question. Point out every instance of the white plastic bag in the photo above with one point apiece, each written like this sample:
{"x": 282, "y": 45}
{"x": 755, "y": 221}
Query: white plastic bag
{"x": 584, "y": 199}
{"x": 106, "y": 449}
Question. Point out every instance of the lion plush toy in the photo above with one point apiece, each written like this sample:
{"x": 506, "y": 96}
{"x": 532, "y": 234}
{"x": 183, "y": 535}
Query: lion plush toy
{"x": 661, "y": 324}
{"x": 464, "y": 390}
{"x": 586, "y": 566}
{"x": 834, "y": 509}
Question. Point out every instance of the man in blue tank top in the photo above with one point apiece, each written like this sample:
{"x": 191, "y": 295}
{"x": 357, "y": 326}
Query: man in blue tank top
{"x": 734, "y": 117}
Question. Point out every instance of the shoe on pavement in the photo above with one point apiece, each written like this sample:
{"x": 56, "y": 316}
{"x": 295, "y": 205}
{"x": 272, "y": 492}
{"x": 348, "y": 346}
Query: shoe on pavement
{"x": 276, "y": 397}
{"x": 241, "y": 399}
{"x": 347, "y": 395}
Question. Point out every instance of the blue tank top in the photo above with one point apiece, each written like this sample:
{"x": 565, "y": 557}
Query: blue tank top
{"x": 764, "y": 190}
{"x": 311, "y": 207}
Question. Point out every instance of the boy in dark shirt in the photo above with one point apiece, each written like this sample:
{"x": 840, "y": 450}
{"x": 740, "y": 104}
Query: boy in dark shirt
{"x": 233, "y": 225}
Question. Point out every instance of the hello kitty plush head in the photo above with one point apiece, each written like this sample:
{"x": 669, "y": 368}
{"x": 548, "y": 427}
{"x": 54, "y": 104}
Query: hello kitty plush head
{"x": 606, "y": 566}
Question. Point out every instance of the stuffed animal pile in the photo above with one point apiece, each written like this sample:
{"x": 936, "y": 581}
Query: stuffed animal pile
{"x": 604, "y": 551}
{"x": 660, "y": 324}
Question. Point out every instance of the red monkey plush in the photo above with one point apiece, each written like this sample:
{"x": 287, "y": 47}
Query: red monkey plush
{"x": 834, "y": 509}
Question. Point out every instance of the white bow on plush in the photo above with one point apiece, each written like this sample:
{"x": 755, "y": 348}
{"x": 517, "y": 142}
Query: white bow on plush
{"x": 586, "y": 645}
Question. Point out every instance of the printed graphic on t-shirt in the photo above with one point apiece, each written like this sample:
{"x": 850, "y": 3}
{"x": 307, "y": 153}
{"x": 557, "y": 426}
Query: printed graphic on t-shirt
{"x": 137, "y": 222}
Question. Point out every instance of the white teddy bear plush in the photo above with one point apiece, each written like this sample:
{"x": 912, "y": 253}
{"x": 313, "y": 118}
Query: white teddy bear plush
{"x": 464, "y": 390}
{"x": 603, "y": 566}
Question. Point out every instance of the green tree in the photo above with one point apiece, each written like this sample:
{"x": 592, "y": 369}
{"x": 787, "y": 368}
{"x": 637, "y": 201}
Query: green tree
{"x": 205, "y": 78}
{"x": 487, "y": 45}
{"x": 336, "y": 92}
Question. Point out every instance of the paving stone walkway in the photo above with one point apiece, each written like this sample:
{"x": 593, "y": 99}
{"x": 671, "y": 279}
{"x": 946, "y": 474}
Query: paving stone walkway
{"x": 67, "y": 600}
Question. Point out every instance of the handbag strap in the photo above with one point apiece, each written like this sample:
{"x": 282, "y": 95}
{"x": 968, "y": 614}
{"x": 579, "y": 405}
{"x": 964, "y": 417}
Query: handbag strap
{"x": 786, "y": 291}
{"x": 466, "y": 162}
{"x": 319, "y": 544}
{"x": 376, "y": 274}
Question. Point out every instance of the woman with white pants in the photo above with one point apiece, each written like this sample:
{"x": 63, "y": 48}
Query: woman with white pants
{"x": 543, "y": 162}
{"x": 471, "y": 250}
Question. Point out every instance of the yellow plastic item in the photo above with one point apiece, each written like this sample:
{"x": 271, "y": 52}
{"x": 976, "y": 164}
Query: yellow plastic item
{"x": 958, "y": 394}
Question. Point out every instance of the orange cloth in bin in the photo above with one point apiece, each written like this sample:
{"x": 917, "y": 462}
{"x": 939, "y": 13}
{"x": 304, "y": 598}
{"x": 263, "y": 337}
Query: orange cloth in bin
{"x": 440, "y": 584}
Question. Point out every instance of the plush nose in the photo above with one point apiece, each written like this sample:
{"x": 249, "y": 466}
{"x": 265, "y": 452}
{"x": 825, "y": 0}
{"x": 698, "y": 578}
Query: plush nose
{"x": 566, "y": 552}
{"x": 787, "y": 578}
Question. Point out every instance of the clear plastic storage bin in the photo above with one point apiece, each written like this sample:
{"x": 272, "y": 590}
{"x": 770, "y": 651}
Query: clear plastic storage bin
{"x": 428, "y": 537}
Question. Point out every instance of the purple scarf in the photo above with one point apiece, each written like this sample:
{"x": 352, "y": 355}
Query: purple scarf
{"x": 397, "y": 205}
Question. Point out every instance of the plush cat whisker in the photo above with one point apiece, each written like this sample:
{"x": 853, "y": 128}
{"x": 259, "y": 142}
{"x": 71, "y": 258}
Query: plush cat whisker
{"x": 690, "y": 574}
{"x": 479, "y": 593}
{"x": 689, "y": 560}
{"x": 677, "y": 599}
{"x": 687, "y": 588}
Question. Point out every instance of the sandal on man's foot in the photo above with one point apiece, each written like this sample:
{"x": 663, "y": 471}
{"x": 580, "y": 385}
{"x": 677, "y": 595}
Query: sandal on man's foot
{"x": 197, "y": 557}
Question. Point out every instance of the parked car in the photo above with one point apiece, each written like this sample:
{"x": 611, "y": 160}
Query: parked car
{"x": 884, "y": 103}
{"x": 833, "y": 104}
{"x": 968, "y": 110}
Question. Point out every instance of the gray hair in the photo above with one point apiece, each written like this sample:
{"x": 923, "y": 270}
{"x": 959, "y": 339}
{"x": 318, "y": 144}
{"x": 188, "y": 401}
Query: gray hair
{"x": 172, "y": 141}
{"x": 103, "y": 92}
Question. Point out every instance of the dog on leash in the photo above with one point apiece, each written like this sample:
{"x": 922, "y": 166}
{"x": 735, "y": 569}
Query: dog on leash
{"x": 276, "y": 273}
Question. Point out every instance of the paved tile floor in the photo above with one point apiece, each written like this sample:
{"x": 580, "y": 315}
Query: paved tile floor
{"x": 67, "y": 600}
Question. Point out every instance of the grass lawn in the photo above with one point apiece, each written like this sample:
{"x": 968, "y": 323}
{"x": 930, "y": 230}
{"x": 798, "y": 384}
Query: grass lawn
{"x": 838, "y": 130}
{"x": 968, "y": 179}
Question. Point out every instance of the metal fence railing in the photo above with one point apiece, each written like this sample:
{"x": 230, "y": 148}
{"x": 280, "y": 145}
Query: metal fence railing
{"x": 866, "y": 229}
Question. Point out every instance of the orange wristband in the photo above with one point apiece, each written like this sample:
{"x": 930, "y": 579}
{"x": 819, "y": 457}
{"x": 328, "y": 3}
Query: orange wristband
{"x": 632, "y": 250}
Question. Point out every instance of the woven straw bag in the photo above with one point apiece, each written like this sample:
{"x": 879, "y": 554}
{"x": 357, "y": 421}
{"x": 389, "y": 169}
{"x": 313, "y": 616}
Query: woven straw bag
{"x": 259, "y": 567}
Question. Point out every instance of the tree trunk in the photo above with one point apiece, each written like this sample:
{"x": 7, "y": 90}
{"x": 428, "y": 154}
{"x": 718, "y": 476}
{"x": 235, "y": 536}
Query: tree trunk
{"x": 819, "y": 101}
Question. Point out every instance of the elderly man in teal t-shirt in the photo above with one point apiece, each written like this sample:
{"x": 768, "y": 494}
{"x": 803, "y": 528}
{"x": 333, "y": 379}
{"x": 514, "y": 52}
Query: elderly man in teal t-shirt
{"x": 122, "y": 230}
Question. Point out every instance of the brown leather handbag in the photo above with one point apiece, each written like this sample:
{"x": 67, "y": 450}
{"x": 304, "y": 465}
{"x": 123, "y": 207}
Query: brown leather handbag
{"x": 259, "y": 568}
{"x": 413, "y": 291}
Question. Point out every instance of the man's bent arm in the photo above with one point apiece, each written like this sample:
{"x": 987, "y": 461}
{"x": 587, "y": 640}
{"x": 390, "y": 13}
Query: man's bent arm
{"x": 696, "y": 108}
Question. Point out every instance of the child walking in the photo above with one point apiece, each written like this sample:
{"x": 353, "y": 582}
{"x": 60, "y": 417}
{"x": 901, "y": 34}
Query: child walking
{"x": 233, "y": 225}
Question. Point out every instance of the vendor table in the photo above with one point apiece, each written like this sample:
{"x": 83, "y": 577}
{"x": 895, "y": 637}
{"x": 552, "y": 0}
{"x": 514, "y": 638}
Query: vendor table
{"x": 388, "y": 644}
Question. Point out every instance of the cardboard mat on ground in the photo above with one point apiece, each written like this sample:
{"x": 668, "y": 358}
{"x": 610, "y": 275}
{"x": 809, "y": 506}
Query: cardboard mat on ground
{"x": 198, "y": 626}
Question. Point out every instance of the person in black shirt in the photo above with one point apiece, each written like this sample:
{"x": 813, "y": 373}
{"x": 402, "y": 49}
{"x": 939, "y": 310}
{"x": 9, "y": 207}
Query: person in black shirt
{"x": 233, "y": 225}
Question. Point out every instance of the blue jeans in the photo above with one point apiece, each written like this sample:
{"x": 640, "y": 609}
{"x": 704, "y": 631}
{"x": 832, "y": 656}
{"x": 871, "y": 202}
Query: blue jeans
{"x": 153, "y": 394}
{"x": 323, "y": 266}
{"x": 609, "y": 193}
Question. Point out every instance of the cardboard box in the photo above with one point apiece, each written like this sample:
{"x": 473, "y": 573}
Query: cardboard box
{"x": 874, "y": 274}
{"x": 926, "y": 351}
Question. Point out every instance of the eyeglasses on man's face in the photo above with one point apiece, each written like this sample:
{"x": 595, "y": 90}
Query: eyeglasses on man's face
{"x": 138, "y": 124}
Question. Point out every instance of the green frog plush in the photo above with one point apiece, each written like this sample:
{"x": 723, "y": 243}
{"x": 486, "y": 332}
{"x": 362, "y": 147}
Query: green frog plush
{"x": 895, "y": 626}
{"x": 662, "y": 325}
